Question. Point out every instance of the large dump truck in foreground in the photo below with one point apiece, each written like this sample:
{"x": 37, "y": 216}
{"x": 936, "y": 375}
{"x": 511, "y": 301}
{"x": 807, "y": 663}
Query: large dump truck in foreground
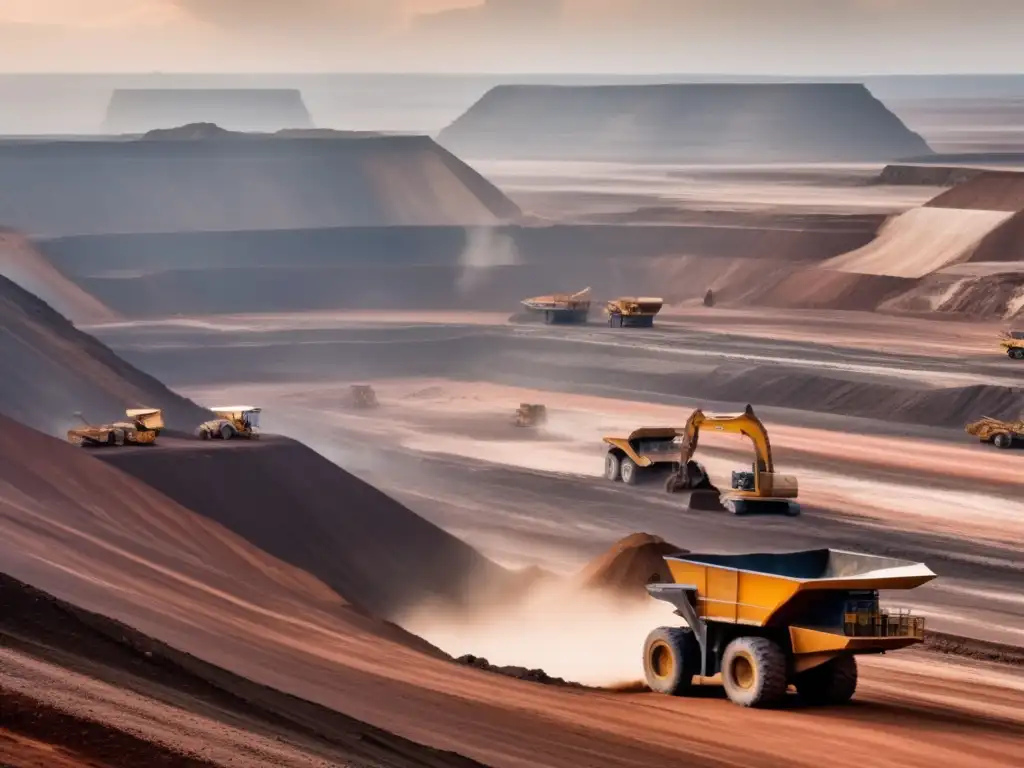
{"x": 768, "y": 621}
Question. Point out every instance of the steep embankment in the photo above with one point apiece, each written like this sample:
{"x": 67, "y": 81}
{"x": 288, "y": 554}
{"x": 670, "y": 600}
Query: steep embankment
{"x": 298, "y": 506}
{"x": 899, "y": 174}
{"x": 23, "y": 264}
{"x": 704, "y": 123}
{"x": 51, "y": 370}
{"x": 137, "y": 110}
{"x": 218, "y": 184}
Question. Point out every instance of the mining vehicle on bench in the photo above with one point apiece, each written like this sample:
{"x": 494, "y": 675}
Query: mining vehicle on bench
{"x": 362, "y": 396}
{"x": 668, "y": 452}
{"x": 1002, "y": 434}
{"x": 633, "y": 312}
{"x": 560, "y": 308}
{"x": 531, "y": 415}
{"x": 1012, "y": 342}
{"x": 142, "y": 427}
{"x": 232, "y": 421}
{"x": 768, "y": 621}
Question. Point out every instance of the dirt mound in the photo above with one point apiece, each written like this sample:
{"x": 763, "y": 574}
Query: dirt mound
{"x": 51, "y": 370}
{"x": 989, "y": 191}
{"x": 921, "y": 241}
{"x": 23, "y": 264}
{"x": 705, "y": 122}
{"x": 825, "y": 289}
{"x": 296, "y": 505}
{"x": 264, "y": 183}
{"x": 1005, "y": 243}
{"x": 1000, "y": 295}
{"x": 926, "y": 175}
{"x": 79, "y": 641}
{"x": 629, "y": 564}
{"x": 137, "y": 110}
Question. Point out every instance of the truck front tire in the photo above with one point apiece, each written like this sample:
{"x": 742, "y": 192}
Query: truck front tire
{"x": 754, "y": 672}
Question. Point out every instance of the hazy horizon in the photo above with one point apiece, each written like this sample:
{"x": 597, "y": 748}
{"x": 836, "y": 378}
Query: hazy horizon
{"x": 671, "y": 37}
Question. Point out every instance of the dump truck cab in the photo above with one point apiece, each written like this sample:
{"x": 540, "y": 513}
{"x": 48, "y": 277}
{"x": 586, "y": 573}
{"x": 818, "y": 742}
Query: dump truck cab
{"x": 766, "y": 621}
{"x": 232, "y": 421}
{"x": 142, "y": 426}
{"x": 642, "y": 453}
{"x": 1012, "y": 343}
{"x": 635, "y": 312}
{"x": 560, "y": 307}
{"x": 1002, "y": 434}
{"x": 762, "y": 489}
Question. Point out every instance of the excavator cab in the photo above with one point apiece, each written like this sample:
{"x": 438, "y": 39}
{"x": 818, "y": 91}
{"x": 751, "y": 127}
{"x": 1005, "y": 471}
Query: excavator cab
{"x": 762, "y": 490}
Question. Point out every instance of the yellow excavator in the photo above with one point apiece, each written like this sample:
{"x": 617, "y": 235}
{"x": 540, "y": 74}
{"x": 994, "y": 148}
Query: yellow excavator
{"x": 759, "y": 491}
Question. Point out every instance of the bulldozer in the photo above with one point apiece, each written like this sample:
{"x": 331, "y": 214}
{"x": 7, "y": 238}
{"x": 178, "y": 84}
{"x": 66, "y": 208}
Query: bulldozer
{"x": 1002, "y": 434}
{"x": 232, "y": 421}
{"x": 633, "y": 312}
{"x": 531, "y": 415}
{"x": 560, "y": 308}
{"x": 362, "y": 396}
{"x": 142, "y": 428}
{"x": 647, "y": 450}
{"x": 768, "y": 621}
{"x": 1012, "y": 342}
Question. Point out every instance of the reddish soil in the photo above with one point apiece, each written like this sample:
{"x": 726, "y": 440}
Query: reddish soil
{"x": 1006, "y": 243}
{"x": 629, "y": 564}
{"x": 989, "y": 191}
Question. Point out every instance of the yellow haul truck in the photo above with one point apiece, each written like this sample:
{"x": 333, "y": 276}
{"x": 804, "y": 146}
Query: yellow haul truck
{"x": 232, "y": 421}
{"x": 1012, "y": 343}
{"x": 1002, "y": 434}
{"x": 633, "y": 311}
{"x": 768, "y": 621}
{"x": 142, "y": 428}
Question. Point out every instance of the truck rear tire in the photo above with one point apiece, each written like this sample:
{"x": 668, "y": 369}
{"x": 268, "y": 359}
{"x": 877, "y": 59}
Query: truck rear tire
{"x": 754, "y": 672}
{"x": 1016, "y": 353}
{"x": 226, "y": 432}
{"x": 611, "y": 466}
{"x": 834, "y": 682}
{"x": 629, "y": 471}
{"x": 1002, "y": 440}
{"x": 671, "y": 659}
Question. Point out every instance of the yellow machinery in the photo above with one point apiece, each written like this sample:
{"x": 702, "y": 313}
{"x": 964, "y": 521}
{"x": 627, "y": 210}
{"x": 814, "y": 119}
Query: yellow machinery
{"x": 362, "y": 396}
{"x": 232, "y": 421}
{"x": 761, "y": 490}
{"x": 561, "y": 307}
{"x": 142, "y": 428}
{"x": 1002, "y": 434}
{"x": 531, "y": 415}
{"x": 642, "y": 453}
{"x": 768, "y": 621}
{"x": 635, "y": 312}
{"x": 1013, "y": 344}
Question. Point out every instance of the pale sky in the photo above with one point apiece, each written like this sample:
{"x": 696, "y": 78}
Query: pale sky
{"x": 724, "y": 36}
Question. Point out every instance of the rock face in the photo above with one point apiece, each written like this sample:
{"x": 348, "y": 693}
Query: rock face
{"x": 137, "y": 110}
{"x": 690, "y": 123}
{"x": 206, "y": 180}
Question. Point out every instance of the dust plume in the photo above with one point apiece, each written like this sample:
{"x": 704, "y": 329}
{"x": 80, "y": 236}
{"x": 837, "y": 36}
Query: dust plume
{"x": 583, "y": 635}
{"x": 485, "y": 249}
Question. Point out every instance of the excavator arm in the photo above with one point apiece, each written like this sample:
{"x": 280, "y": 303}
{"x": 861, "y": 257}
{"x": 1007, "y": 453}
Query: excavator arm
{"x": 745, "y": 423}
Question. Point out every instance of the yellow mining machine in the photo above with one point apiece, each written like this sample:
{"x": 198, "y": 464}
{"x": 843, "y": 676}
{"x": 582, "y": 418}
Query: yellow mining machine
{"x": 1012, "y": 342}
{"x": 633, "y": 312}
{"x": 531, "y": 415}
{"x": 560, "y": 307}
{"x": 142, "y": 428}
{"x": 768, "y": 621}
{"x": 362, "y": 396}
{"x": 232, "y": 421}
{"x": 761, "y": 490}
{"x": 1002, "y": 434}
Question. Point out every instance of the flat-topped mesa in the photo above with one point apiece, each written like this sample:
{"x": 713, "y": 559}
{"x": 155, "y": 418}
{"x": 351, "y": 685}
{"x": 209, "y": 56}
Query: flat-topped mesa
{"x": 692, "y": 122}
{"x": 137, "y": 110}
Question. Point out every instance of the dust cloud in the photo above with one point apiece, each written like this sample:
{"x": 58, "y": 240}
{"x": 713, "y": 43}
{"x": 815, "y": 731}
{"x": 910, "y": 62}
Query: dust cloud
{"x": 485, "y": 249}
{"x": 583, "y": 635}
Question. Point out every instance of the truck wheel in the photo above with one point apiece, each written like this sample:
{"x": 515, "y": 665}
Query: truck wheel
{"x": 834, "y": 682}
{"x": 549, "y": 317}
{"x": 629, "y": 471}
{"x": 1002, "y": 440}
{"x": 226, "y": 431}
{"x": 1017, "y": 353}
{"x": 754, "y": 672}
{"x": 671, "y": 659}
{"x": 611, "y": 466}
